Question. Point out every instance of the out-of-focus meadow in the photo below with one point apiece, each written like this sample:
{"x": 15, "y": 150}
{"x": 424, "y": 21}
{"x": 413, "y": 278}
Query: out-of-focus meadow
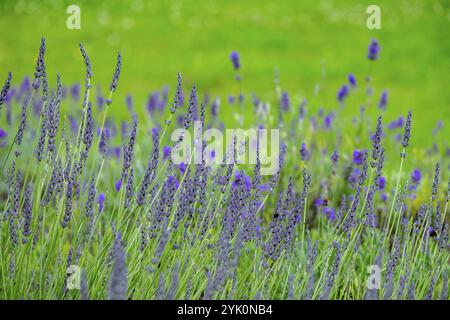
{"x": 308, "y": 42}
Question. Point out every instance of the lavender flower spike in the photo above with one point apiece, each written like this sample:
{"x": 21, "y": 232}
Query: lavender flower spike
{"x": 434, "y": 190}
{"x": 5, "y": 89}
{"x": 374, "y": 49}
{"x": 407, "y": 134}
{"x": 118, "y": 282}
{"x": 115, "y": 79}
{"x": 40, "y": 65}
{"x": 87, "y": 63}
{"x": 178, "y": 100}
{"x": 234, "y": 57}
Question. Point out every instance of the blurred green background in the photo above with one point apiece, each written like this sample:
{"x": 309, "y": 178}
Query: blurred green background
{"x": 308, "y": 42}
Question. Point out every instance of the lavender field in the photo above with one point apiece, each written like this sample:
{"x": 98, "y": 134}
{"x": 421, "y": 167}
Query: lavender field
{"x": 93, "y": 206}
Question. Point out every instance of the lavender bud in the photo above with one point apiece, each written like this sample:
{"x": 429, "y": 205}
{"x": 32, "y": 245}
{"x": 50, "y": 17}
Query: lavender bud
{"x": 234, "y": 57}
{"x": 376, "y": 140}
{"x": 40, "y": 65}
{"x": 407, "y": 133}
{"x": 20, "y": 131}
{"x": 179, "y": 97}
{"x": 192, "y": 107}
{"x": 87, "y": 63}
{"x": 27, "y": 214}
{"x": 88, "y": 135}
{"x": 129, "y": 152}
{"x": 374, "y": 49}
{"x": 130, "y": 189}
{"x": 5, "y": 89}
{"x": 115, "y": 79}
{"x": 434, "y": 190}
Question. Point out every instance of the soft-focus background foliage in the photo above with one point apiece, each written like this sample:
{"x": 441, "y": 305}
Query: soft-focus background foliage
{"x": 303, "y": 40}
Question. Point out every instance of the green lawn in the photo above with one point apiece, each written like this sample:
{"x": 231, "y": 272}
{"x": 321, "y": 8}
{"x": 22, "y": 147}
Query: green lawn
{"x": 297, "y": 38}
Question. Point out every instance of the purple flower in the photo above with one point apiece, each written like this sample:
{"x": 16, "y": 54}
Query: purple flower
{"x": 101, "y": 201}
{"x": 335, "y": 157}
{"x": 5, "y": 89}
{"x": 318, "y": 202}
{"x": 129, "y": 102}
{"x": 328, "y": 121}
{"x": 3, "y": 134}
{"x": 240, "y": 176}
{"x": 182, "y": 168}
{"x": 305, "y": 153}
{"x": 166, "y": 152}
{"x": 383, "y": 100}
{"x": 358, "y": 156}
{"x": 329, "y": 212}
{"x": 354, "y": 176}
{"x": 383, "y": 197}
{"x": 342, "y": 93}
{"x": 116, "y": 152}
{"x": 118, "y": 185}
{"x": 352, "y": 80}
{"x": 374, "y": 49}
{"x": 234, "y": 57}
{"x": 173, "y": 181}
{"x": 407, "y": 133}
{"x": 115, "y": 78}
{"x": 230, "y": 99}
{"x": 215, "y": 107}
{"x": 152, "y": 102}
{"x": 381, "y": 183}
{"x": 285, "y": 103}
{"x": 416, "y": 175}
{"x": 75, "y": 92}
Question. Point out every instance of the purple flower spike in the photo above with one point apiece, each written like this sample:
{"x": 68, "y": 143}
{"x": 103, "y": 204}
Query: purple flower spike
{"x": 166, "y": 152}
{"x": 118, "y": 185}
{"x": 305, "y": 153}
{"x": 416, "y": 175}
{"x": 358, "y": 156}
{"x": 285, "y": 102}
{"x": 318, "y": 202}
{"x": 383, "y": 100}
{"x": 182, "y": 168}
{"x": 374, "y": 49}
{"x": 381, "y": 183}
{"x": 3, "y": 134}
{"x": 352, "y": 80}
{"x": 329, "y": 212}
{"x": 101, "y": 201}
{"x": 342, "y": 93}
{"x": 234, "y": 57}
